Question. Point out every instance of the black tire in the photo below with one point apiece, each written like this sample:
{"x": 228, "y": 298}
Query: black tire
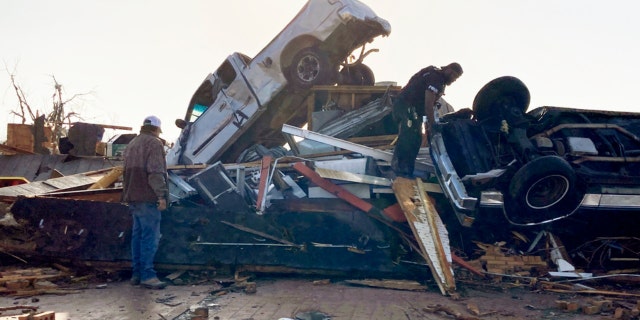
{"x": 499, "y": 96}
{"x": 542, "y": 191}
{"x": 311, "y": 67}
{"x": 357, "y": 75}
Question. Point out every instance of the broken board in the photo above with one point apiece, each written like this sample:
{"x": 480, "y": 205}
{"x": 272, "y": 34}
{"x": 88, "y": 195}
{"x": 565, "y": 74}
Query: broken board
{"x": 428, "y": 228}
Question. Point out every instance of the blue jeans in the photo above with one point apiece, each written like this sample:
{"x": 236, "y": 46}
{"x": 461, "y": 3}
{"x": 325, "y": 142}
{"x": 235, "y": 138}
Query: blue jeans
{"x": 145, "y": 237}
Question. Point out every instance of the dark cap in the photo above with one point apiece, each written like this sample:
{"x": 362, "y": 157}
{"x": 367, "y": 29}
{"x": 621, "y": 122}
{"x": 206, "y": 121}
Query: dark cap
{"x": 454, "y": 66}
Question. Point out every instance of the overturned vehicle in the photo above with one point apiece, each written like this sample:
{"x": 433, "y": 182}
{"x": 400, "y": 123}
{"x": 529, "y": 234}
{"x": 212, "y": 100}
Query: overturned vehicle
{"x": 538, "y": 166}
{"x": 248, "y": 99}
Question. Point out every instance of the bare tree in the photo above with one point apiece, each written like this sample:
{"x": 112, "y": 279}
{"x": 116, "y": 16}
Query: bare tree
{"x": 56, "y": 119}
{"x": 22, "y": 102}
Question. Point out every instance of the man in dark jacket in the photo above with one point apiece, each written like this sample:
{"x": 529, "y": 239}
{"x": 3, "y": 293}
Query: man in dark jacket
{"x": 417, "y": 99}
{"x": 145, "y": 191}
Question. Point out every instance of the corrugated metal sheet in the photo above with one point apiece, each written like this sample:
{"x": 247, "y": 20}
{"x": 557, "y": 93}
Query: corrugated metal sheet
{"x": 71, "y": 182}
{"x": 37, "y": 167}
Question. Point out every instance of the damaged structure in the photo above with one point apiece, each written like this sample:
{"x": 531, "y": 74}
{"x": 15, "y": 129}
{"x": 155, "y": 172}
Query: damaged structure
{"x": 329, "y": 203}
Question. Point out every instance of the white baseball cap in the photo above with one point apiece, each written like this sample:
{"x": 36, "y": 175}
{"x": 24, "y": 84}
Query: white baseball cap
{"x": 152, "y": 121}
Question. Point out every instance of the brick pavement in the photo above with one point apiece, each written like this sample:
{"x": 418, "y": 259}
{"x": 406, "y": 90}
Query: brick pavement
{"x": 286, "y": 298}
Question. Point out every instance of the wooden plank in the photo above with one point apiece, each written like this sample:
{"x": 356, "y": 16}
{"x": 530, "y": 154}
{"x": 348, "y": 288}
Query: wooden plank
{"x": 102, "y": 195}
{"x": 352, "y": 177}
{"x": 374, "y": 140}
{"x": 347, "y": 196}
{"x": 439, "y": 233}
{"x": 26, "y": 189}
{"x": 37, "y": 292}
{"x": 264, "y": 183}
{"x": 19, "y": 136}
{"x": 16, "y": 277}
{"x": 429, "y": 230}
{"x": 390, "y": 284}
{"x": 13, "y": 150}
{"x": 187, "y": 166}
{"x": 110, "y": 126}
{"x": 336, "y": 190}
{"x": 49, "y": 315}
{"x": 596, "y": 292}
{"x": 71, "y": 181}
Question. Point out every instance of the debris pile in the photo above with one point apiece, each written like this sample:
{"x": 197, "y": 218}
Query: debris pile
{"x": 500, "y": 261}
{"x": 330, "y": 203}
{"x": 32, "y": 282}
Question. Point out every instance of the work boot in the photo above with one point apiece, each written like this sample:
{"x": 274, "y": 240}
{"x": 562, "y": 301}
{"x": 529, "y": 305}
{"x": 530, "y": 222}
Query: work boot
{"x": 135, "y": 280}
{"x": 153, "y": 283}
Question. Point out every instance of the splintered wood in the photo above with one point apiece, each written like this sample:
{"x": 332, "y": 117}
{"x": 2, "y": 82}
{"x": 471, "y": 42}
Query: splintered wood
{"x": 430, "y": 231}
{"x": 496, "y": 261}
{"x": 30, "y": 282}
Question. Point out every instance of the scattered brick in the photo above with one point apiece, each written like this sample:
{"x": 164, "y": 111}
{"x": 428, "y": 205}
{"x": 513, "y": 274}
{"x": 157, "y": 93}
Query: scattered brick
{"x": 49, "y": 315}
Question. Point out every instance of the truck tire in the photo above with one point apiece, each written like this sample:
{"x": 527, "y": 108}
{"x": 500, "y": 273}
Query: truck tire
{"x": 357, "y": 75}
{"x": 311, "y": 67}
{"x": 542, "y": 191}
{"x": 500, "y": 96}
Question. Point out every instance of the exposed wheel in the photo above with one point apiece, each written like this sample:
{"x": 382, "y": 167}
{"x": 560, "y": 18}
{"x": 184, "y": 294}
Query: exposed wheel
{"x": 357, "y": 75}
{"x": 542, "y": 191}
{"x": 311, "y": 67}
{"x": 500, "y": 96}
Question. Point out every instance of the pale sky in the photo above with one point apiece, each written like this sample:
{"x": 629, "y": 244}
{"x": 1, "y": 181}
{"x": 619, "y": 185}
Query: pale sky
{"x": 135, "y": 58}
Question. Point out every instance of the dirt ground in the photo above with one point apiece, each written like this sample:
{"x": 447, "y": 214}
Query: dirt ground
{"x": 302, "y": 298}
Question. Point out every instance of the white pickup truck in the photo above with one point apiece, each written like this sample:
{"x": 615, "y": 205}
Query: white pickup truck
{"x": 246, "y": 99}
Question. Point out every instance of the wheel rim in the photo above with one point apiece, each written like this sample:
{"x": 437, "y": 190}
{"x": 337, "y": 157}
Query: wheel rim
{"x": 308, "y": 68}
{"x": 547, "y": 192}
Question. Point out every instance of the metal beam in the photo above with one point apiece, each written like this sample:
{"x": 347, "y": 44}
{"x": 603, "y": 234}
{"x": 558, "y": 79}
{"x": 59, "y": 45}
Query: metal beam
{"x": 343, "y": 144}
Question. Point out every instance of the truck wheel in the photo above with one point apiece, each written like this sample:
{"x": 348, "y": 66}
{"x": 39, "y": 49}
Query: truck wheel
{"x": 311, "y": 67}
{"x": 357, "y": 75}
{"x": 499, "y": 96}
{"x": 542, "y": 191}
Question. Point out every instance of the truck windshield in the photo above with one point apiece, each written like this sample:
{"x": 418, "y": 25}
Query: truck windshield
{"x": 198, "y": 110}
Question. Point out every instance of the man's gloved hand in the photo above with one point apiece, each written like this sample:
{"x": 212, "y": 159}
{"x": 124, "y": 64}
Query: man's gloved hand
{"x": 162, "y": 204}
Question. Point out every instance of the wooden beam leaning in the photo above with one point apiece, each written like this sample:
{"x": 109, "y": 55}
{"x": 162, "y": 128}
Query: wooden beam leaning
{"x": 440, "y": 235}
{"x": 429, "y": 230}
